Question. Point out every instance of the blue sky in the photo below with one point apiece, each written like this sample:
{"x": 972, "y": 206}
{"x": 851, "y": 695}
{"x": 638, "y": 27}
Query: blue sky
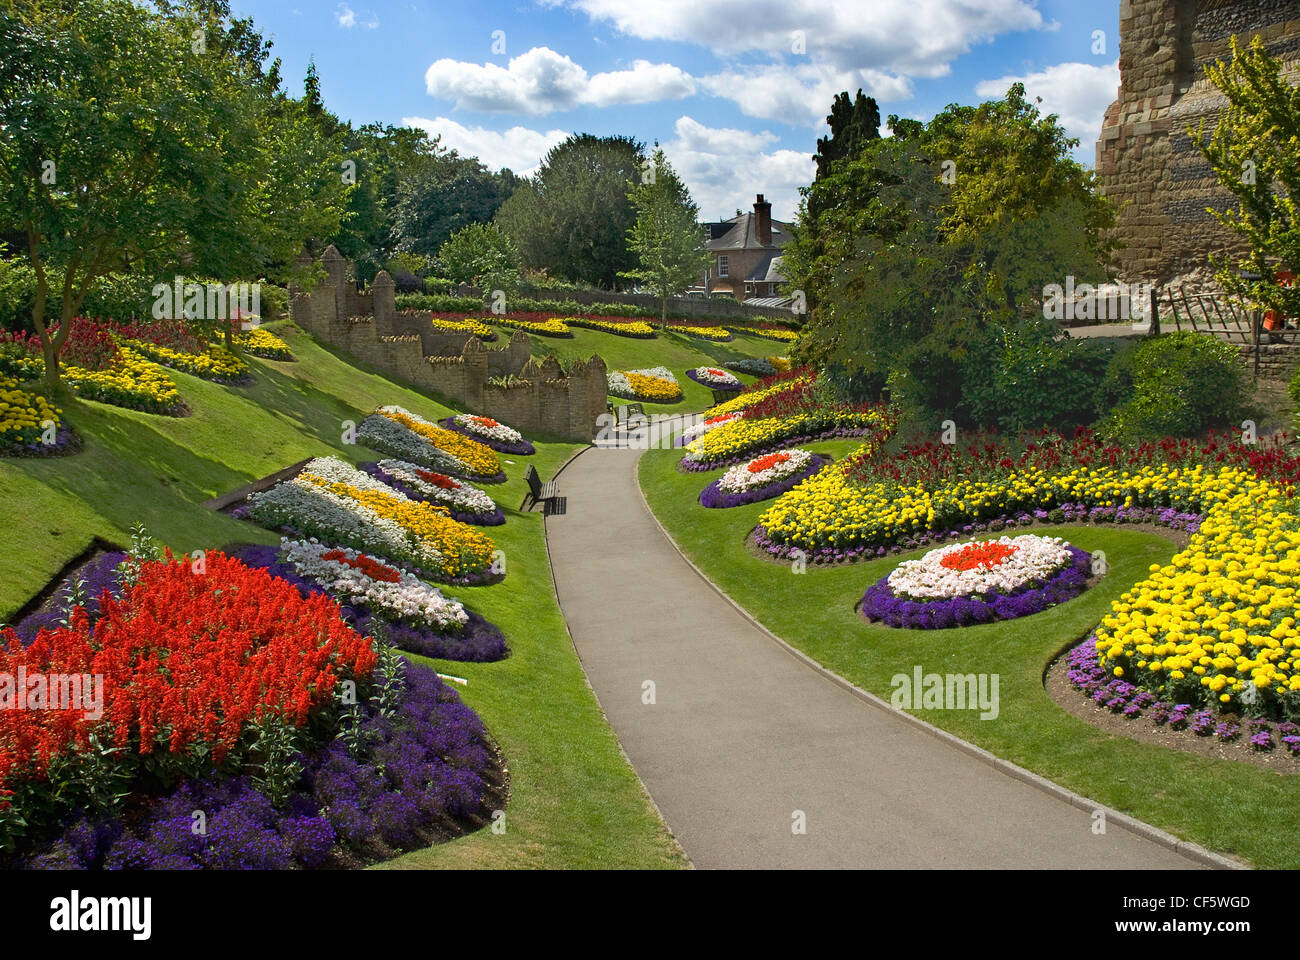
{"x": 736, "y": 91}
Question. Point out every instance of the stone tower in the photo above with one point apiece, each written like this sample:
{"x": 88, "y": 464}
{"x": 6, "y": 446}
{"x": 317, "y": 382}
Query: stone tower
{"x": 1146, "y": 161}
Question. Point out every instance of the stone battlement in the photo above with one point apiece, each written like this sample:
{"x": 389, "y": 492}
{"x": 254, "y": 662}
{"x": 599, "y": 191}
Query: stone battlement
{"x": 537, "y": 398}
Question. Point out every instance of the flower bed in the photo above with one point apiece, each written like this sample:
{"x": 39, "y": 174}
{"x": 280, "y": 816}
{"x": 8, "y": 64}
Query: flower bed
{"x": 548, "y": 327}
{"x": 619, "y": 327}
{"x": 390, "y": 437}
{"x": 654, "y": 385}
{"x": 762, "y": 478}
{"x": 26, "y": 420}
{"x": 773, "y": 388}
{"x": 743, "y": 438}
{"x": 781, "y": 334}
{"x": 714, "y": 378}
{"x": 337, "y": 503}
{"x": 754, "y": 366}
{"x": 264, "y": 344}
{"x": 213, "y": 363}
{"x": 703, "y": 332}
{"x": 467, "y": 503}
{"x": 131, "y": 382}
{"x": 487, "y": 431}
{"x": 406, "y": 611}
{"x": 706, "y": 425}
{"x": 476, "y": 459}
{"x": 230, "y": 692}
{"x": 978, "y": 582}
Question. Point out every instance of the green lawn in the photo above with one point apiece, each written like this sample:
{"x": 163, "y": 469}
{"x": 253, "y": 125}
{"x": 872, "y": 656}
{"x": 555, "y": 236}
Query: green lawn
{"x": 1232, "y": 808}
{"x": 675, "y": 351}
{"x": 575, "y": 802}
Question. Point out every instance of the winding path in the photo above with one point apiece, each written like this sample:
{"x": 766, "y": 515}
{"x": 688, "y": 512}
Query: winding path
{"x": 742, "y": 733}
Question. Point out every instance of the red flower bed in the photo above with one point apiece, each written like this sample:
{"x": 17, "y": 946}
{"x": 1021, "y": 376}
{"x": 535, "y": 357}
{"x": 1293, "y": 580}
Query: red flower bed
{"x": 438, "y": 479}
{"x": 89, "y": 345}
{"x": 759, "y": 464}
{"x": 988, "y": 554}
{"x": 186, "y": 662}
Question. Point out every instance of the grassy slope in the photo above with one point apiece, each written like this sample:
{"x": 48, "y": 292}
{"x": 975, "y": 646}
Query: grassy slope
{"x": 575, "y": 800}
{"x": 1229, "y": 807}
{"x": 675, "y": 351}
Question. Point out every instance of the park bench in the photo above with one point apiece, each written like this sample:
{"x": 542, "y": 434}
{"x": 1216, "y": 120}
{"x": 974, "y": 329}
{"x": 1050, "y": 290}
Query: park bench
{"x": 626, "y": 414}
{"x": 722, "y": 396}
{"x": 544, "y": 493}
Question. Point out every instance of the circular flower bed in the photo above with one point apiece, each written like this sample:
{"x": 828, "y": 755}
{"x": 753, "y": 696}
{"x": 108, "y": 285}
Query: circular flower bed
{"x": 978, "y": 582}
{"x": 467, "y": 503}
{"x": 762, "y": 478}
{"x": 494, "y": 434}
{"x": 652, "y": 385}
{"x": 714, "y": 378}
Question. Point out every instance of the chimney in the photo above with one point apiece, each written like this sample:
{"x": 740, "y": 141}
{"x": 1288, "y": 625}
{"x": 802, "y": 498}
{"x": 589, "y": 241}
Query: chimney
{"x": 763, "y": 221}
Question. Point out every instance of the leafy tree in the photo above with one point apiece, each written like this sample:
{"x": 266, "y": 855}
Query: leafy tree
{"x": 666, "y": 237}
{"x": 572, "y": 219}
{"x": 852, "y": 124}
{"x": 1255, "y": 153}
{"x": 439, "y": 192}
{"x": 481, "y": 254}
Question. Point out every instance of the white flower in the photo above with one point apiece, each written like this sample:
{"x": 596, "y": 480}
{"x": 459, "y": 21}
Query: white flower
{"x": 741, "y": 478}
{"x": 486, "y": 427}
{"x": 704, "y": 426}
{"x": 397, "y": 440}
{"x": 716, "y": 378}
{"x": 1033, "y": 559}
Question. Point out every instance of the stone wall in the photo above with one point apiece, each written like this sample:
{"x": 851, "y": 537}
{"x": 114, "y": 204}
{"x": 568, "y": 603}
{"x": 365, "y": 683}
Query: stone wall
{"x": 1146, "y": 158}
{"x": 1277, "y": 361}
{"x": 540, "y": 399}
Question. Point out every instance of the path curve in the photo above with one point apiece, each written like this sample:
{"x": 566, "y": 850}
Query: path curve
{"x": 742, "y": 734}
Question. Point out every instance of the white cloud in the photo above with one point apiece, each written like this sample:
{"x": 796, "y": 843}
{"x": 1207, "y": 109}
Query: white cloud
{"x": 913, "y": 38}
{"x": 800, "y": 94}
{"x": 724, "y": 168}
{"x": 541, "y": 81}
{"x": 347, "y": 18}
{"x": 518, "y": 148}
{"x": 1078, "y": 93}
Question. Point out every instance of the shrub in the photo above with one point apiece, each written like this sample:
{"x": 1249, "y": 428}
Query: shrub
{"x": 438, "y": 303}
{"x": 1183, "y": 383}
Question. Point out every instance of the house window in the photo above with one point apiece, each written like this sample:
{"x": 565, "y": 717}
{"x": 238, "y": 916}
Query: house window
{"x": 722, "y": 265}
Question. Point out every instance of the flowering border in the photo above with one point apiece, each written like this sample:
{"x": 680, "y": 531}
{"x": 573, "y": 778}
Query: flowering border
{"x": 880, "y": 605}
{"x": 522, "y": 449}
{"x": 715, "y": 498}
{"x": 691, "y": 466}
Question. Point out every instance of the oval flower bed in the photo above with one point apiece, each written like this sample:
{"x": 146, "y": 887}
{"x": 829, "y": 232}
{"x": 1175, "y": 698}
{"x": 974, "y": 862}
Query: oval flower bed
{"x": 653, "y": 384}
{"x": 383, "y": 601}
{"x": 456, "y": 453}
{"x": 467, "y": 503}
{"x": 978, "y": 582}
{"x": 714, "y": 378}
{"x": 491, "y": 432}
{"x": 303, "y": 743}
{"x": 762, "y": 478}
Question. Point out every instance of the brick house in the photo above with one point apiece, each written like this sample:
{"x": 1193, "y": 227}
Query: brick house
{"x": 746, "y": 254}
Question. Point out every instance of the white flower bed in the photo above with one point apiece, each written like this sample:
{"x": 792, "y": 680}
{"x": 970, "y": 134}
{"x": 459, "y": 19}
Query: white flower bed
{"x": 742, "y": 477}
{"x": 454, "y": 493}
{"x": 705, "y": 426}
{"x": 487, "y": 427}
{"x": 388, "y": 436}
{"x": 714, "y": 377}
{"x": 334, "y": 470}
{"x": 408, "y": 599}
{"x": 1034, "y": 559}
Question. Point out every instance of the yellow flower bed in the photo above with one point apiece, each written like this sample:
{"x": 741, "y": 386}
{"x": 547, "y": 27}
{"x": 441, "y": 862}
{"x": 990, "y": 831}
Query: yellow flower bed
{"x": 653, "y": 389}
{"x": 751, "y": 397}
{"x": 264, "y": 344}
{"x": 1217, "y": 624}
{"x": 469, "y": 325}
{"x": 637, "y": 329}
{"x": 777, "y": 333}
{"x": 780, "y": 364}
{"x": 545, "y": 328}
{"x": 22, "y": 415}
{"x": 704, "y": 333}
{"x": 480, "y": 458}
{"x": 217, "y": 363}
{"x": 464, "y": 551}
{"x": 742, "y": 438}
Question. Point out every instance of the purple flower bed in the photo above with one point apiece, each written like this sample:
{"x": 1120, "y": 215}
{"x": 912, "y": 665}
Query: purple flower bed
{"x": 1086, "y": 674}
{"x": 1078, "y": 513}
{"x": 713, "y": 386}
{"x": 478, "y": 641}
{"x": 522, "y": 449}
{"x": 99, "y": 574}
{"x": 494, "y": 519}
{"x": 66, "y": 442}
{"x": 880, "y": 603}
{"x": 427, "y": 763}
{"x": 691, "y": 466}
{"x": 712, "y": 496}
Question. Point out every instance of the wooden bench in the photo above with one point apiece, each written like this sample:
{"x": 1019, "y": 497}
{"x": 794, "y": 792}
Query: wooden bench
{"x": 722, "y": 396}
{"x": 538, "y": 492}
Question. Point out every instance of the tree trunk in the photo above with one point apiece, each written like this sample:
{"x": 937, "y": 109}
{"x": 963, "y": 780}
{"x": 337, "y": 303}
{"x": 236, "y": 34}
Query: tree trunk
{"x": 663, "y": 319}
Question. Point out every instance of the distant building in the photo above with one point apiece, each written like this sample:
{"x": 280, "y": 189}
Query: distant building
{"x": 746, "y": 254}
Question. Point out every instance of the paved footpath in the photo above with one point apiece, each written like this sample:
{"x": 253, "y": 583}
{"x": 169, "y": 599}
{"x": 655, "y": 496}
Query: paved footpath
{"x": 742, "y": 734}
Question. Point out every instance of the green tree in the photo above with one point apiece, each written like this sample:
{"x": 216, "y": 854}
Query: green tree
{"x": 481, "y": 254}
{"x": 572, "y": 219}
{"x": 666, "y": 237}
{"x": 1255, "y": 153}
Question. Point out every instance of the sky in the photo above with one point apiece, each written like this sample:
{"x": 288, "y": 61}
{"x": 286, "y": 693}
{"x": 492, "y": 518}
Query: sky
{"x": 735, "y": 91}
